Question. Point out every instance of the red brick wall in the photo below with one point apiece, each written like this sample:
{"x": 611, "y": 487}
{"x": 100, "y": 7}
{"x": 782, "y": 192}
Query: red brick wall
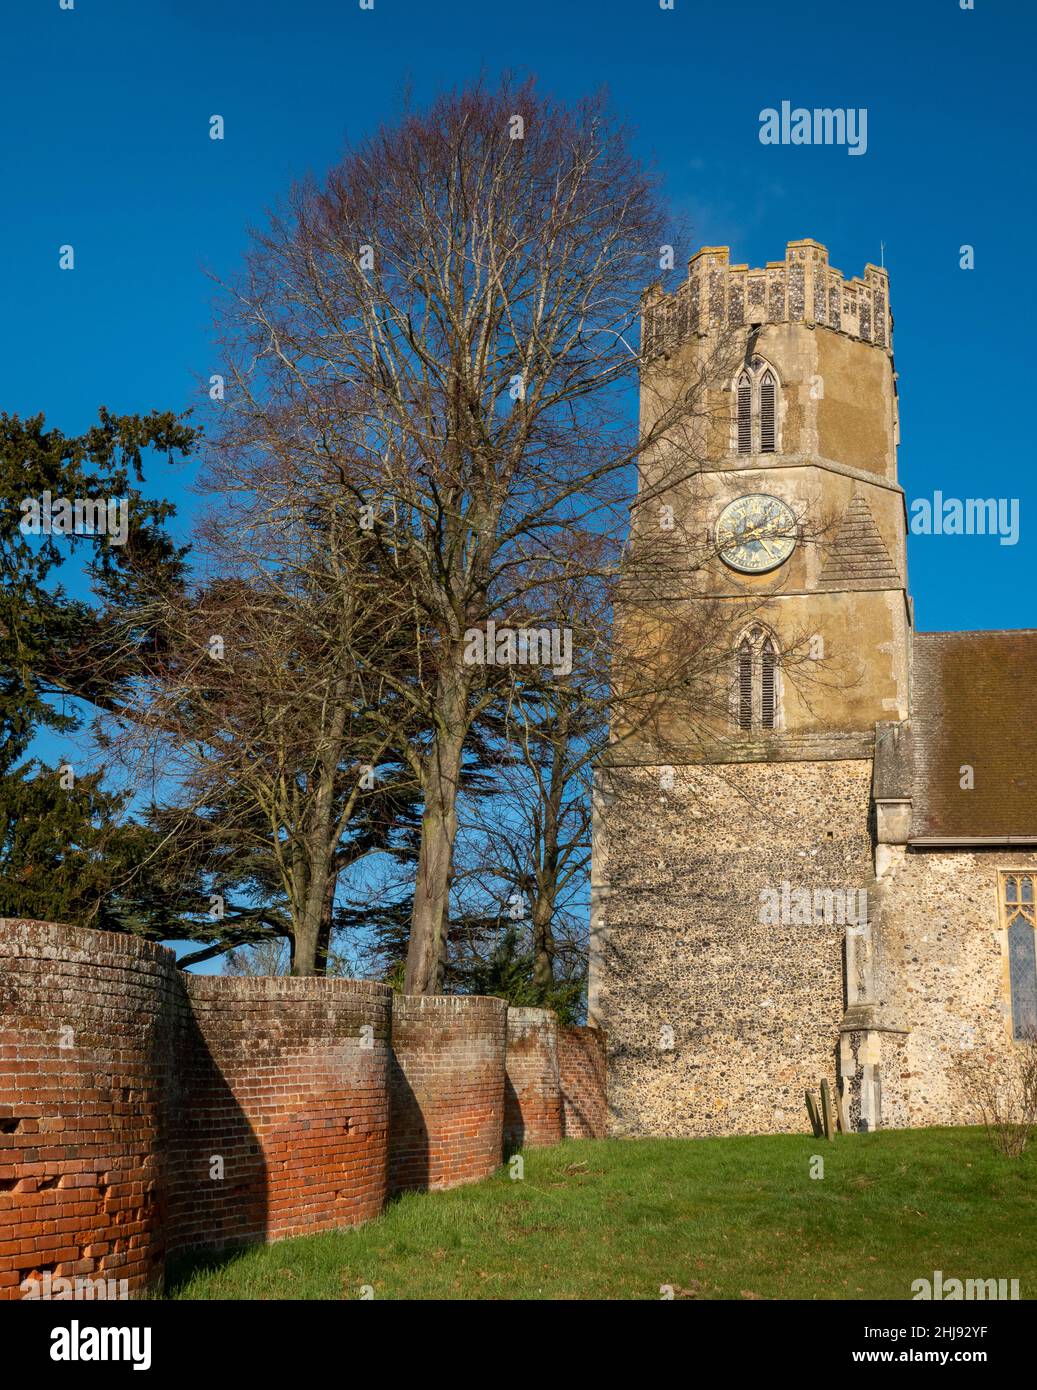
{"x": 107, "y": 1144}
{"x": 582, "y": 1063}
{"x": 286, "y": 1081}
{"x": 122, "y": 1080}
{"x": 447, "y": 1090}
{"x": 86, "y": 1022}
{"x": 533, "y": 1093}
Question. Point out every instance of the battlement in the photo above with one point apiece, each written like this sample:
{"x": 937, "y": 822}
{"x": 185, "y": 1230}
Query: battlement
{"x": 803, "y": 288}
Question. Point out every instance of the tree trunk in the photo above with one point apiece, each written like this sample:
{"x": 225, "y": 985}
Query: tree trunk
{"x": 310, "y": 919}
{"x": 547, "y": 878}
{"x": 326, "y": 918}
{"x": 426, "y": 950}
{"x": 307, "y": 932}
{"x": 543, "y": 944}
{"x": 315, "y": 905}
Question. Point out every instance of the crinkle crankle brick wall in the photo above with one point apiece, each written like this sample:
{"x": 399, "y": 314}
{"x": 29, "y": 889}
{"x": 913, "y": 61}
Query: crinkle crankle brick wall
{"x": 533, "y": 1092}
{"x": 144, "y": 1111}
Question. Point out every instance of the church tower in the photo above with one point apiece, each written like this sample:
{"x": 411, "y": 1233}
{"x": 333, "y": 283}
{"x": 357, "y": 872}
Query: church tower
{"x": 723, "y": 995}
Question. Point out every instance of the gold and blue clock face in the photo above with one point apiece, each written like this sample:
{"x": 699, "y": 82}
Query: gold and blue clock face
{"x": 755, "y": 533}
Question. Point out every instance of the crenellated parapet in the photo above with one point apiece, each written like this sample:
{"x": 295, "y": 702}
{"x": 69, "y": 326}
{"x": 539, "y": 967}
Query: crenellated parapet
{"x": 803, "y": 288}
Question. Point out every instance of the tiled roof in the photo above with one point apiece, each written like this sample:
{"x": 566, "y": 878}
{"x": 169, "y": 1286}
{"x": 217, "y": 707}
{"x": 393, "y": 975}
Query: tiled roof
{"x": 974, "y": 705}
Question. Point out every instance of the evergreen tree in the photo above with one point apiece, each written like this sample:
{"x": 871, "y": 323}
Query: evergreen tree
{"x": 67, "y": 849}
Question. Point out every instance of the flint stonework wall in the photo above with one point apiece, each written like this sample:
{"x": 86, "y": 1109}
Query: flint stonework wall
{"x": 942, "y": 978}
{"x": 718, "y": 1021}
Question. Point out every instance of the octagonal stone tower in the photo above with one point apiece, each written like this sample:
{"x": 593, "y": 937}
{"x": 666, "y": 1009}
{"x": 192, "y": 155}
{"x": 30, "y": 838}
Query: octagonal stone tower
{"x": 721, "y": 1006}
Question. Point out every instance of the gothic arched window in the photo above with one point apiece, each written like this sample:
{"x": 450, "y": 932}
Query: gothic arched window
{"x": 745, "y": 414}
{"x": 745, "y": 685}
{"x": 768, "y": 683}
{"x": 756, "y": 409}
{"x": 756, "y": 696}
{"x": 1017, "y": 904}
{"x": 768, "y": 405}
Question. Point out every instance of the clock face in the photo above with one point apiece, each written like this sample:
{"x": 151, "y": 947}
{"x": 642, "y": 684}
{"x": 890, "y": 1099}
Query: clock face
{"x": 755, "y": 533}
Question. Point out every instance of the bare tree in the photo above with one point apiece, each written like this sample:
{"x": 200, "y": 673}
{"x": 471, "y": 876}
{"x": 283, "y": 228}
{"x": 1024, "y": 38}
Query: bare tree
{"x": 1002, "y": 1088}
{"x": 255, "y": 689}
{"x": 447, "y": 327}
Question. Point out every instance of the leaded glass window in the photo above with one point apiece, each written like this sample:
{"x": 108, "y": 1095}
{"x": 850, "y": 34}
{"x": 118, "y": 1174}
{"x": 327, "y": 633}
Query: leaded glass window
{"x": 1018, "y": 907}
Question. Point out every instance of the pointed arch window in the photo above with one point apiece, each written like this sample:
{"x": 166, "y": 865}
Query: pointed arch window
{"x": 768, "y": 405}
{"x": 768, "y": 683}
{"x": 757, "y": 686}
{"x": 745, "y": 685}
{"x": 1018, "y": 908}
{"x": 756, "y": 409}
{"x": 745, "y": 414}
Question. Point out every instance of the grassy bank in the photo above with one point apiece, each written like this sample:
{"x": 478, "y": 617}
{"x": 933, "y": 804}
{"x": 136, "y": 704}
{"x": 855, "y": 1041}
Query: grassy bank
{"x": 714, "y": 1218}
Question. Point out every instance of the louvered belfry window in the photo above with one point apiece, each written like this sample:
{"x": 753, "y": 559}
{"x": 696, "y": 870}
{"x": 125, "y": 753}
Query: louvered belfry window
{"x": 756, "y": 695}
{"x": 768, "y": 692}
{"x": 745, "y": 685}
{"x": 745, "y": 414}
{"x": 768, "y": 390}
{"x": 756, "y": 407}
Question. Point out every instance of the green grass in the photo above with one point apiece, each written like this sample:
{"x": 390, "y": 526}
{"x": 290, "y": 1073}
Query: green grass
{"x": 715, "y": 1218}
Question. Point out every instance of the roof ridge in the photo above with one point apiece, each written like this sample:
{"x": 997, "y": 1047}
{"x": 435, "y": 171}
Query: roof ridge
{"x": 979, "y": 632}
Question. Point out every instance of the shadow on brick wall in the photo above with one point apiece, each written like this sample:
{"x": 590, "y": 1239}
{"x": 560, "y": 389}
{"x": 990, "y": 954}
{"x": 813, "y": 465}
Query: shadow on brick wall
{"x": 146, "y": 1114}
{"x": 514, "y": 1124}
{"x": 217, "y": 1178}
{"x": 409, "y": 1156}
{"x": 105, "y": 1147}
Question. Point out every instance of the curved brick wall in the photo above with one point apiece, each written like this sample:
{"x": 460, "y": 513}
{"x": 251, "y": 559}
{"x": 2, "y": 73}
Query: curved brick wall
{"x": 533, "y": 1093}
{"x": 144, "y": 1111}
{"x": 122, "y": 1080}
{"x": 86, "y": 1022}
{"x": 583, "y": 1066}
{"x": 285, "y": 1083}
{"x": 447, "y": 1090}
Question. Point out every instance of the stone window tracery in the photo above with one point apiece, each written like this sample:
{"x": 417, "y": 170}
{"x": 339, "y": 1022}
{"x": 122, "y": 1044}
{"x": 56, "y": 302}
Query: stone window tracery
{"x": 756, "y": 409}
{"x": 1017, "y": 905}
{"x": 757, "y": 678}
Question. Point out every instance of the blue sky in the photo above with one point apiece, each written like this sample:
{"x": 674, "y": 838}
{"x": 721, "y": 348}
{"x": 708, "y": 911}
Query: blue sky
{"x": 105, "y": 112}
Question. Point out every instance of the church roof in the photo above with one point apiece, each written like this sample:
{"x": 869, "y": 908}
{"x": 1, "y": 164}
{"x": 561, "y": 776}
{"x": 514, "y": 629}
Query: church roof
{"x": 974, "y": 706}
